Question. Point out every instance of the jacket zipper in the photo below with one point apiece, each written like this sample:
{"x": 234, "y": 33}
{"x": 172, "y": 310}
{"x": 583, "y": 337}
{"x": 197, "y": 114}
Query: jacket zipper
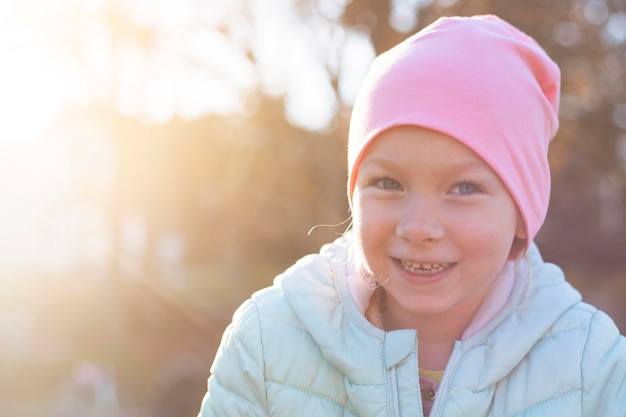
{"x": 394, "y": 393}
{"x": 443, "y": 387}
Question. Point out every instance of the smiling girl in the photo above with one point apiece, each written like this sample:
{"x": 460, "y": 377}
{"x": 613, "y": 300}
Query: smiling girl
{"x": 437, "y": 302}
{"x": 434, "y": 225}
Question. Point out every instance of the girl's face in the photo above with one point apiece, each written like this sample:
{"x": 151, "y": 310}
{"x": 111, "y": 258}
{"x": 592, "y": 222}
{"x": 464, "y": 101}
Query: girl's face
{"x": 434, "y": 224}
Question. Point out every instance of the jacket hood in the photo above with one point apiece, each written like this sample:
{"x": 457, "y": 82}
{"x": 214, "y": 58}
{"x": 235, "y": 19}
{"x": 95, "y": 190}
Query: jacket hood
{"x": 316, "y": 289}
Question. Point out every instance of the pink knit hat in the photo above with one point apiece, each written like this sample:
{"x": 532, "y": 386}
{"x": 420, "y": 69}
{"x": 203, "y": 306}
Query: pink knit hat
{"x": 479, "y": 80}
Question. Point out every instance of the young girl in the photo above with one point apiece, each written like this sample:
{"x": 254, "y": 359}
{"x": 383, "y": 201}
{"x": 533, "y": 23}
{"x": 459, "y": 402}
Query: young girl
{"x": 437, "y": 302}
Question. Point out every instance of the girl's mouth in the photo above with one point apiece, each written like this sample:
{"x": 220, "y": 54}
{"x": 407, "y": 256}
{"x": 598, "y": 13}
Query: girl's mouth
{"x": 425, "y": 268}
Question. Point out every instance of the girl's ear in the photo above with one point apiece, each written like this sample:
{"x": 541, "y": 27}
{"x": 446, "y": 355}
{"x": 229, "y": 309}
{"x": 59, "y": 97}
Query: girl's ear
{"x": 517, "y": 249}
{"x": 519, "y": 242}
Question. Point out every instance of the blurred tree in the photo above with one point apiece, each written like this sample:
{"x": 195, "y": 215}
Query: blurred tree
{"x": 270, "y": 183}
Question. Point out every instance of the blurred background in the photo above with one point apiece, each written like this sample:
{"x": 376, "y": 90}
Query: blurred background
{"x": 163, "y": 159}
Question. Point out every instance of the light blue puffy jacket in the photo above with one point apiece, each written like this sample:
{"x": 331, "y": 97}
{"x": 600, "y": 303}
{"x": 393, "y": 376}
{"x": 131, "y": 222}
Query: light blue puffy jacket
{"x": 302, "y": 348}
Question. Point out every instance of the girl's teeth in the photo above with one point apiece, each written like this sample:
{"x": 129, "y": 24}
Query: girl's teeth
{"x": 428, "y": 268}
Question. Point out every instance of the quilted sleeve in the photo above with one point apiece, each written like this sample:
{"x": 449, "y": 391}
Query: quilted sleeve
{"x": 236, "y": 387}
{"x": 604, "y": 370}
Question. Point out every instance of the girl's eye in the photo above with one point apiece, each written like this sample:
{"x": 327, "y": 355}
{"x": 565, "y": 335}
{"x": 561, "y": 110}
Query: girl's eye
{"x": 387, "y": 184}
{"x": 465, "y": 188}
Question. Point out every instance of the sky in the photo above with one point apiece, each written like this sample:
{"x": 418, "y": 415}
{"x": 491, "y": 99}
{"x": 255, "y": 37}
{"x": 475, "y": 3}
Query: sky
{"x": 68, "y": 52}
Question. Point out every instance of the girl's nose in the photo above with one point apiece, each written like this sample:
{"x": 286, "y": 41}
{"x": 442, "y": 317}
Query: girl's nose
{"x": 420, "y": 223}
